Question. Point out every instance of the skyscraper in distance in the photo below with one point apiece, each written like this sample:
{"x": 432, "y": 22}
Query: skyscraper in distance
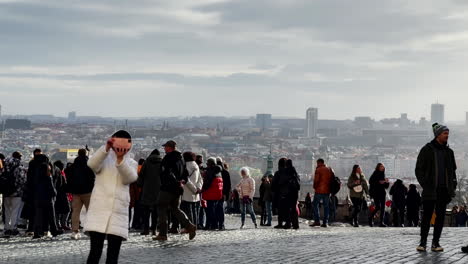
{"x": 311, "y": 122}
{"x": 438, "y": 113}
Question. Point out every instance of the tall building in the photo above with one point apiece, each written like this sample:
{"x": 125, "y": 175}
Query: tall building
{"x": 311, "y": 122}
{"x": 72, "y": 115}
{"x": 438, "y": 113}
{"x": 263, "y": 121}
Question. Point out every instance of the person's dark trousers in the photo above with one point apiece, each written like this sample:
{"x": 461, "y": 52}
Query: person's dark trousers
{"x": 201, "y": 217}
{"x": 357, "y": 207}
{"x": 170, "y": 201}
{"x": 44, "y": 218}
{"x": 413, "y": 216}
{"x": 191, "y": 210}
{"x": 428, "y": 208}
{"x": 150, "y": 212}
{"x": 398, "y": 216}
{"x": 137, "y": 216}
{"x": 264, "y": 214}
{"x": 292, "y": 208}
{"x": 211, "y": 219}
{"x": 220, "y": 214}
{"x": 97, "y": 244}
{"x": 379, "y": 207}
{"x": 284, "y": 212}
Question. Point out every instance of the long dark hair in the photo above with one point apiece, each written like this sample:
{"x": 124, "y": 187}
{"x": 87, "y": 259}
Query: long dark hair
{"x": 378, "y": 167}
{"x": 355, "y": 167}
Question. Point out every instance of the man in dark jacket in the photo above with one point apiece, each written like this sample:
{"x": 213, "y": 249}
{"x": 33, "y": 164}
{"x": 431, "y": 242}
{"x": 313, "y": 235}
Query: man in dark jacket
{"x": 226, "y": 192}
{"x": 80, "y": 181}
{"x": 436, "y": 173}
{"x": 172, "y": 171}
{"x": 149, "y": 180}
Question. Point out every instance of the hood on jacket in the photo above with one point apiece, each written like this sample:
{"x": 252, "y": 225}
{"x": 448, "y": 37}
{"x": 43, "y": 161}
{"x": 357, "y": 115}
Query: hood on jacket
{"x": 154, "y": 158}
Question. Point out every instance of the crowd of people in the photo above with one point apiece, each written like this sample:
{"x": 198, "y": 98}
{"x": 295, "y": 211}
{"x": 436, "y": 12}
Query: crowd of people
{"x": 177, "y": 194}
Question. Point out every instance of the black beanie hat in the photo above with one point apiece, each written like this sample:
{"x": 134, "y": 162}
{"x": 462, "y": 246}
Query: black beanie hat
{"x": 122, "y": 134}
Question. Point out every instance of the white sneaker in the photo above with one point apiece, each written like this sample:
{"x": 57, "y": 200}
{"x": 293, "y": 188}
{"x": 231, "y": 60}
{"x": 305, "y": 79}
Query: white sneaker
{"x": 76, "y": 236}
{"x": 49, "y": 235}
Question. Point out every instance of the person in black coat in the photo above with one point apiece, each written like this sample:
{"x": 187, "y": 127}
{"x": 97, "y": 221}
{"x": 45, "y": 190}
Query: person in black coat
{"x": 44, "y": 194}
{"x": 80, "y": 182}
{"x": 226, "y": 192}
{"x": 62, "y": 205}
{"x": 398, "y": 193}
{"x": 280, "y": 191}
{"x": 413, "y": 205}
{"x": 378, "y": 191}
{"x": 149, "y": 180}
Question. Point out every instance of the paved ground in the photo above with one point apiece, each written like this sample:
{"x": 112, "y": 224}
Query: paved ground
{"x": 308, "y": 245}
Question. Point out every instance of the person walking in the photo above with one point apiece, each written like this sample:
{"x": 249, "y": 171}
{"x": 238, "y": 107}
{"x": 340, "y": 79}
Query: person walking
{"x": 246, "y": 189}
{"x": 107, "y": 215}
{"x": 358, "y": 191}
{"x": 172, "y": 181}
{"x": 436, "y": 173}
{"x": 378, "y": 186}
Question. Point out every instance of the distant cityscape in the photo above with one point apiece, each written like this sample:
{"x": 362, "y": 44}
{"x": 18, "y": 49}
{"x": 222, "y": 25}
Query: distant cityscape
{"x": 248, "y": 141}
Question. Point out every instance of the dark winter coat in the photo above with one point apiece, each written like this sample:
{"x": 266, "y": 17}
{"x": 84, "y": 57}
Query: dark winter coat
{"x": 62, "y": 206}
{"x": 398, "y": 193}
{"x": 427, "y": 171}
{"x": 149, "y": 180}
{"x": 378, "y": 190}
{"x": 413, "y": 200}
{"x": 80, "y": 177}
{"x": 266, "y": 192}
{"x": 226, "y": 183}
{"x": 172, "y": 170}
{"x": 43, "y": 189}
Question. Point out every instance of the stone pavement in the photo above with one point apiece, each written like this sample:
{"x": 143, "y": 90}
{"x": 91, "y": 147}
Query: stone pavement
{"x": 337, "y": 244}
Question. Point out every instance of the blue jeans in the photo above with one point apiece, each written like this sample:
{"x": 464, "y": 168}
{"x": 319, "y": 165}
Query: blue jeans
{"x": 211, "y": 217}
{"x": 326, "y": 208}
{"x": 220, "y": 213}
{"x": 268, "y": 208}
{"x": 247, "y": 207}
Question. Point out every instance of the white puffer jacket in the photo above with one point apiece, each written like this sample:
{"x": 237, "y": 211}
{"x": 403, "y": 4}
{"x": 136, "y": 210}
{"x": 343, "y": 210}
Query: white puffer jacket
{"x": 110, "y": 199}
{"x": 246, "y": 187}
{"x": 194, "y": 183}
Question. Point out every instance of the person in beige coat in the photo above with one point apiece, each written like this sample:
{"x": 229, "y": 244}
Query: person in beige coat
{"x": 246, "y": 189}
{"x": 108, "y": 209}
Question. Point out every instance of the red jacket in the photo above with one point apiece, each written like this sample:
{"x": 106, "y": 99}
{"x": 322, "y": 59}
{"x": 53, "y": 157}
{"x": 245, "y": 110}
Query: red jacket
{"x": 215, "y": 192}
{"x": 322, "y": 180}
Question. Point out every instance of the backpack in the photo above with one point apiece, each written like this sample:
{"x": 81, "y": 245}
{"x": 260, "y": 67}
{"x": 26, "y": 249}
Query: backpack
{"x": 7, "y": 182}
{"x": 335, "y": 184}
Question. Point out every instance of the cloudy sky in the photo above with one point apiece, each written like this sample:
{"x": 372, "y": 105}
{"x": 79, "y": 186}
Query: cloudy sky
{"x": 234, "y": 57}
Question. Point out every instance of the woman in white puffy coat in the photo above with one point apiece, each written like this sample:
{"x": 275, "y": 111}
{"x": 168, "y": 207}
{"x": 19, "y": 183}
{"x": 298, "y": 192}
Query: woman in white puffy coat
{"x": 108, "y": 209}
{"x": 246, "y": 189}
{"x": 192, "y": 188}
